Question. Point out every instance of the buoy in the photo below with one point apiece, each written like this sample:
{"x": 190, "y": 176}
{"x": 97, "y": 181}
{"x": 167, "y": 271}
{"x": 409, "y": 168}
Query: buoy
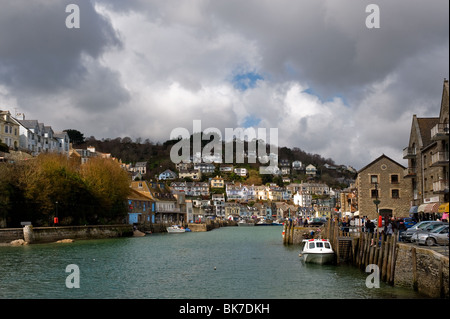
{"x": 214, "y": 268}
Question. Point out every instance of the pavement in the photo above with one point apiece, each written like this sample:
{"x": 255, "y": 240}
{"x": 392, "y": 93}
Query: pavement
{"x": 443, "y": 250}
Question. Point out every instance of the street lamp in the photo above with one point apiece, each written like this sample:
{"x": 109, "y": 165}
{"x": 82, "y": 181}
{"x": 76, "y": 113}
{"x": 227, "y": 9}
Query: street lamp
{"x": 377, "y": 202}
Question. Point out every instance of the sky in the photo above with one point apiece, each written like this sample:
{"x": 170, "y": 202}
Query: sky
{"x": 310, "y": 68}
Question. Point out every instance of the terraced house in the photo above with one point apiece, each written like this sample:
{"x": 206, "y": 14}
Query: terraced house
{"x": 428, "y": 161}
{"x": 9, "y": 130}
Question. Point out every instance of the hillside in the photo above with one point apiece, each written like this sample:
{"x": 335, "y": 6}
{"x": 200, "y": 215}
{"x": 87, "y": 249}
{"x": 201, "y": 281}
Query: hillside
{"x": 157, "y": 155}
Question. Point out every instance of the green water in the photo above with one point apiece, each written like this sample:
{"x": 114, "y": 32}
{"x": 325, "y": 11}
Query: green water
{"x": 230, "y": 262}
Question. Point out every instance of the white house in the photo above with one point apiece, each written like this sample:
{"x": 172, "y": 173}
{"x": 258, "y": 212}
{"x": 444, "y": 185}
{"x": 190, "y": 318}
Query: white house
{"x": 167, "y": 174}
{"x": 311, "y": 170}
{"x": 297, "y": 165}
{"x": 240, "y": 171}
{"x": 301, "y": 199}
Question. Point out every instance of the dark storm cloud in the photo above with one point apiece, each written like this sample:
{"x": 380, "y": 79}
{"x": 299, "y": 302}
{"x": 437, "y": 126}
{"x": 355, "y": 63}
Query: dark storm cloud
{"x": 39, "y": 55}
{"x": 38, "y": 51}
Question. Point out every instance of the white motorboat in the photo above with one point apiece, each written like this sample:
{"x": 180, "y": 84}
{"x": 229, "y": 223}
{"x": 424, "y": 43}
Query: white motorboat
{"x": 176, "y": 229}
{"x": 318, "y": 251}
{"x": 243, "y": 222}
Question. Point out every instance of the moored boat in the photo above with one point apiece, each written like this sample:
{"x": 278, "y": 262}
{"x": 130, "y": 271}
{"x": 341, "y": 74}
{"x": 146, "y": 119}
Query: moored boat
{"x": 318, "y": 251}
{"x": 176, "y": 229}
{"x": 246, "y": 223}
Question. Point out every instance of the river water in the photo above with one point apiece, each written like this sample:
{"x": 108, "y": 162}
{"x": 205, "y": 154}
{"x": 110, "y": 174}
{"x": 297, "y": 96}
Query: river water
{"x": 229, "y": 262}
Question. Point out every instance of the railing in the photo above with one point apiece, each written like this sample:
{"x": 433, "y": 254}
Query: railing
{"x": 439, "y": 131}
{"x": 409, "y": 172}
{"x": 409, "y": 152}
{"x": 440, "y": 186}
{"x": 439, "y": 157}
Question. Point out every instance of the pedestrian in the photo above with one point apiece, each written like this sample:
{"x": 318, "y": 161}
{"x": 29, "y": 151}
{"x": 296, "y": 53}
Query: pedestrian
{"x": 389, "y": 229}
{"x": 401, "y": 229}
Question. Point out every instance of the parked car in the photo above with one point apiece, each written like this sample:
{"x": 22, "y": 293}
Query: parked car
{"x": 438, "y": 236}
{"x": 409, "y": 222}
{"x": 426, "y": 230}
{"x": 406, "y": 235}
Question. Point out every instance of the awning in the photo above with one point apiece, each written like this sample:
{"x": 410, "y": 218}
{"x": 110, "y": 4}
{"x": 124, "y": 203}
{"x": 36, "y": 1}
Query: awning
{"x": 421, "y": 208}
{"x": 413, "y": 209}
{"x": 443, "y": 208}
{"x": 431, "y": 208}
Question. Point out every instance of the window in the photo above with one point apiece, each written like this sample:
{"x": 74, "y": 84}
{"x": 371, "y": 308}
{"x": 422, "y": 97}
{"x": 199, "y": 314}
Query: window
{"x": 394, "y": 179}
{"x": 374, "y": 193}
{"x": 395, "y": 193}
{"x": 374, "y": 179}
{"x": 311, "y": 245}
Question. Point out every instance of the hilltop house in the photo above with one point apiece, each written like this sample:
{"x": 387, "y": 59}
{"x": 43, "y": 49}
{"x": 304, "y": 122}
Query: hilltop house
{"x": 311, "y": 170}
{"x": 167, "y": 175}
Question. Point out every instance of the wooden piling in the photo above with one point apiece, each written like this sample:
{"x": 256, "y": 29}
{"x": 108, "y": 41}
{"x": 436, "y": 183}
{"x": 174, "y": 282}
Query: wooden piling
{"x": 385, "y": 260}
{"x": 393, "y": 257}
{"x": 414, "y": 268}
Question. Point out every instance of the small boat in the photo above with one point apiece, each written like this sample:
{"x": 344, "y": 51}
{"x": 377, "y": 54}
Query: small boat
{"x": 245, "y": 223}
{"x": 317, "y": 251}
{"x": 176, "y": 229}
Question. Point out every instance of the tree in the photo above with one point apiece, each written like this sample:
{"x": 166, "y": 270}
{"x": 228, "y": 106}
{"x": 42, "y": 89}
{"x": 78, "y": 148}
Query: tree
{"x": 109, "y": 184}
{"x": 75, "y": 136}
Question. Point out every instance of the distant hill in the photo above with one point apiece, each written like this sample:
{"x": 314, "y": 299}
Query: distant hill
{"x": 158, "y": 157}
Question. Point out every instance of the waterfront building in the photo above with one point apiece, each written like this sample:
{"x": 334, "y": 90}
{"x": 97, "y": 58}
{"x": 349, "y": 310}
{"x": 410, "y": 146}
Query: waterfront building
{"x": 141, "y": 208}
{"x": 381, "y": 181}
{"x": 167, "y": 206}
{"x": 428, "y": 160}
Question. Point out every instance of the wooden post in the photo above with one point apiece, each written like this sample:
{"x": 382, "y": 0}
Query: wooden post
{"x": 381, "y": 252}
{"x": 291, "y": 235}
{"x": 386, "y": 259}
{"x": 360, "y": 249}
{"x": 393, "y": 257}
{"x": 414, "y": 268}
{"x": 336, "y": 243}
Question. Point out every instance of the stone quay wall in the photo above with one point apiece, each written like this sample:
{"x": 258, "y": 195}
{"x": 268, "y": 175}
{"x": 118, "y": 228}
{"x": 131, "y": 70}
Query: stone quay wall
{"x": 422, "y": 269}
{"x": 33, "y": 235}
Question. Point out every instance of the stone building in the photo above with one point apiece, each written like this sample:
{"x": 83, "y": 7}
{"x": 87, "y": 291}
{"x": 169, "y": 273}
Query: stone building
{"x": 428, "y": 160}
{"x": 382, "y": 181}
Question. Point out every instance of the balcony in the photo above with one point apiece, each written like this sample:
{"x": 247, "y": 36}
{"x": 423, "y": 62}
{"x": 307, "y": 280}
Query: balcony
{"x": 409, "y": 152}
{"x": 439, "y": 159}
{"x": 409, "y": 172}
{"x": 440, "y": 187}
{"x": 439, "y": 132}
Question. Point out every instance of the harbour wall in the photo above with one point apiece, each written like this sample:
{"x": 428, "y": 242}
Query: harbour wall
{"x": 34, "y": 235}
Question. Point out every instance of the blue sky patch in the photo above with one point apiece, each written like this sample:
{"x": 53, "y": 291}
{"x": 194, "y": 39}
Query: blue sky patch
{"x": 246, "y": 81}
{"x": 251, "y": 121}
